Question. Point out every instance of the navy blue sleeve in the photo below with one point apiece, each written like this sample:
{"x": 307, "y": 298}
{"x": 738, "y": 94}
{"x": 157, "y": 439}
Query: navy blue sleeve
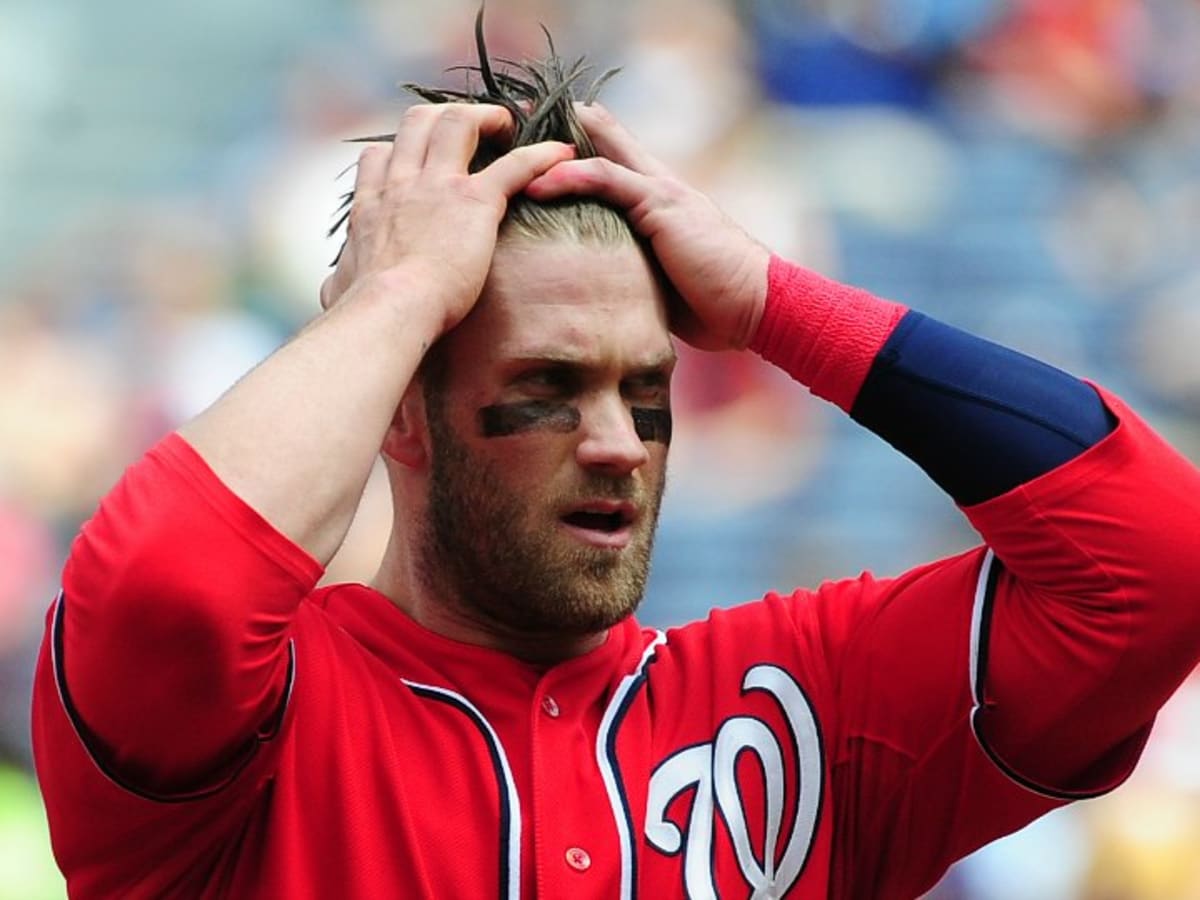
{"x": 979, "y": 418}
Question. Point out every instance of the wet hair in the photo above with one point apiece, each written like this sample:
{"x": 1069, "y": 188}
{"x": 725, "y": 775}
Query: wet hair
{"x": 540, "y": 95}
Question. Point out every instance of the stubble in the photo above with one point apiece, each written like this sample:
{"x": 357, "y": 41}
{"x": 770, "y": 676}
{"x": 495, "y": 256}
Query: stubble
{"x": 504, "y": 558}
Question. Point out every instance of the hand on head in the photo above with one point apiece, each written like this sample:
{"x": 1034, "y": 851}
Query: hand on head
{"x": 718, "y": 271}
{"x": 419, "y": 218}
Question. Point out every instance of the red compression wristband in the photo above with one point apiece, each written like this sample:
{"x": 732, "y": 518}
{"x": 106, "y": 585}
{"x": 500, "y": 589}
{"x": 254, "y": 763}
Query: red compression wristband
{"x": 823, "y": 333}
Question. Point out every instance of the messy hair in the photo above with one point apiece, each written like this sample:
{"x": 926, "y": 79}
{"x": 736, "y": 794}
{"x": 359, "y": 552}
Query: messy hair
{"x": 540, "y": 96}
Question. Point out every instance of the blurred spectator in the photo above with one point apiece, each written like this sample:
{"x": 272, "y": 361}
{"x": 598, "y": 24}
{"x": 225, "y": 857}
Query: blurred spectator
{"x": 1163, "y": 345}
{"x": 27, "y": 872}
{"x": 1144, "y": 838}
{"x": 850, "y": 52}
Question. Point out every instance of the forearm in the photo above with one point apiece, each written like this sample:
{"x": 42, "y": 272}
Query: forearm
{"x": 179, "y": 594}
{"x": 296, "y": 437}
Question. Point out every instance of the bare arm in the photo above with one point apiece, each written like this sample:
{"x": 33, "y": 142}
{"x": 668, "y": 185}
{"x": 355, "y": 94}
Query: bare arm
{"x": 172, "y": 634}
{"x": 297, "y": 436}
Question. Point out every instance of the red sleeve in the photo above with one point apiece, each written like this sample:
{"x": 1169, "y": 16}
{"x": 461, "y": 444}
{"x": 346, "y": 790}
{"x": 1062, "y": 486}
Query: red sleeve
{"x": 1093, "y": 621}
{"x": 981, "y": 691}
{"x": 170, "y": 639}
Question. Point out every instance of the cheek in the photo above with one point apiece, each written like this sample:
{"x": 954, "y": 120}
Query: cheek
{"x": 533, "y": 465}
{"x": 656, "y": 467}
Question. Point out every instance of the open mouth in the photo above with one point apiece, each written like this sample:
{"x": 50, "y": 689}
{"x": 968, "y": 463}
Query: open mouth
{"x": 605, "y": 523}
{"x": 597, "y": 521}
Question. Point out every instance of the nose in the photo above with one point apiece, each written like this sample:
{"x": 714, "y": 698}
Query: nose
{"x": 610, "y": 442}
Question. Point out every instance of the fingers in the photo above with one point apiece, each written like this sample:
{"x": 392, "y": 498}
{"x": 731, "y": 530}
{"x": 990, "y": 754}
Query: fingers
{"x": 329, "y": 292}
{"x": 455, "y": 137}
{"x": 624, "y": 174}
{"x": 412, "y": 140}
{"x": 514, "y": 171}
{"x": 371, "y": 170}
{"x": 444, "y": 136}
{"x": 597, "y": 177}
{"x": 614, "y": 142}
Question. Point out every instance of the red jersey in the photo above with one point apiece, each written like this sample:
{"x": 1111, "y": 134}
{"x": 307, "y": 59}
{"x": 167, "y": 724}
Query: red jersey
{"x": 846, "y": 742}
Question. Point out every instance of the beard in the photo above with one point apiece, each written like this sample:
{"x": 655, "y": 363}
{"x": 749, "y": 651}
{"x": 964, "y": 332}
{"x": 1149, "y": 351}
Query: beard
{"x": 504, "y": 558}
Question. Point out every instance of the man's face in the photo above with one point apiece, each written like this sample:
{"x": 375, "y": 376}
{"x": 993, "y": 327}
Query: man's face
{"x": 549, "y": 435}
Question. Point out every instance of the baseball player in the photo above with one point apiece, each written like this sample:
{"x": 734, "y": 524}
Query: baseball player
{"x": 486, "y": 718}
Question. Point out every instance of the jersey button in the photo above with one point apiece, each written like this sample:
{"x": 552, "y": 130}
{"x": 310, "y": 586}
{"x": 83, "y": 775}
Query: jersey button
{"x": 578, "y": 859}
{"x": 550, "y": 708}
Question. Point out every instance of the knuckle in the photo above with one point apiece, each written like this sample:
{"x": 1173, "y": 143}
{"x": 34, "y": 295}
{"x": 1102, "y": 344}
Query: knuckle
{"x": 359, "y": 220}
{"x": 357, "y": 212}
{"x": 454, "y": 113}
{"x": 601, "y": 115}
{"x": 371, "y": 151}
{"x": 594, "y": 171}
{"x": 595, "y": 112}
{"x": 672, "y": 190}
{"x": 418, "y": 112}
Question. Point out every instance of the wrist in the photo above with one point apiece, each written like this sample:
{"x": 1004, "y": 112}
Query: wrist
{"x": 823, "y": 333}
{"x": 755, "y": 291}
{"x": 408, "y": 300}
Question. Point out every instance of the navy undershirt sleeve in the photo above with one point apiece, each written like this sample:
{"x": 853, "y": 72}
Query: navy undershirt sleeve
{"x": 979, "y": 418}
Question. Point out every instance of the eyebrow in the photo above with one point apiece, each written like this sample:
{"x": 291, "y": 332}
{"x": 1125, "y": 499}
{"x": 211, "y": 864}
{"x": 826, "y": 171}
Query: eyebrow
{"x": 556, "y": 357}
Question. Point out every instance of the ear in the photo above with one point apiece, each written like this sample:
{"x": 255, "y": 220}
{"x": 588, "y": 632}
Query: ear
{"x": 407, "y": 438}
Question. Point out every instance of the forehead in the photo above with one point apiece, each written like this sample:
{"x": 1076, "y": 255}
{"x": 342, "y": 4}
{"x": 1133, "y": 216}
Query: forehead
{"x": 598, "y": 304}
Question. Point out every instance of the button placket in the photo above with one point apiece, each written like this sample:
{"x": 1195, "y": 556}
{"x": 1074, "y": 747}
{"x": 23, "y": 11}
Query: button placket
{"x": 568, "y": 840}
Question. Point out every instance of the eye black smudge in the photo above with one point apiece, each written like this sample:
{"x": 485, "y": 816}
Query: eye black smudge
{"x": 503, "y": 419}
{"x": 652, "y": 424}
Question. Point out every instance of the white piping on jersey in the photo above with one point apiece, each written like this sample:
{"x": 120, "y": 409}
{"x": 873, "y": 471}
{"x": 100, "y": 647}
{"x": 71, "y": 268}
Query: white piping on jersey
{"x": 983, "y": 603}
{"x": 68, "y": 707}
{"x": 609, "y": 775}
{"x": 981, "y": 587}
{"x": 510, "y": 784}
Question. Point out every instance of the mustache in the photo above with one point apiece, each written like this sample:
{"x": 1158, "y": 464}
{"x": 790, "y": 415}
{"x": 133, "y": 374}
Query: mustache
{"x": 599, "y": 487}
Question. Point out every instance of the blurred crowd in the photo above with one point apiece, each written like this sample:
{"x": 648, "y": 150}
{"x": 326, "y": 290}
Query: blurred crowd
{"x": 1026, "y": 169}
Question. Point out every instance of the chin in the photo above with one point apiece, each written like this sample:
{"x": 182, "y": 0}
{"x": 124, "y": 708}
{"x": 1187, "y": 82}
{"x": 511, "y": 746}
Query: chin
{"x": 575, "y": 617}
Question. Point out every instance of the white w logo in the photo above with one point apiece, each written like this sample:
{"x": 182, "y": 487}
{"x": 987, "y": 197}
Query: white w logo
{"x": 710, "y": 769}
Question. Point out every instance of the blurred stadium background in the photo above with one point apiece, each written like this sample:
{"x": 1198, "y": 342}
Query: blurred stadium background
{"x": 1026, "y": 169}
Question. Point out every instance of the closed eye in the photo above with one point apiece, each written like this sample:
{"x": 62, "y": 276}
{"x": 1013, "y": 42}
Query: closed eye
{"x": 550, "y": 381}
{"x": 650, "y": 388}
